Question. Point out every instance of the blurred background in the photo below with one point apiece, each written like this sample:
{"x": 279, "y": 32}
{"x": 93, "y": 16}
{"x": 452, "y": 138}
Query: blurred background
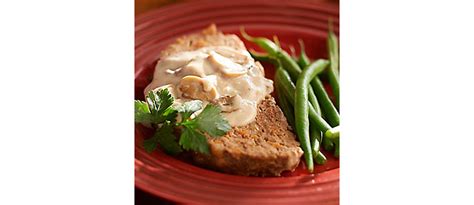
{"x": 142, "y": 6}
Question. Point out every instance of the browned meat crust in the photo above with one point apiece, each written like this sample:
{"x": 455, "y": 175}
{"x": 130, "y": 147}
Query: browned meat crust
{"x": 208, "y": 37}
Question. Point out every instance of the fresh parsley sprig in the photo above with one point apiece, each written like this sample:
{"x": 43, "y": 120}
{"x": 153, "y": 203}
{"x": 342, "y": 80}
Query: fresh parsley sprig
{"x": 158, "y": 111}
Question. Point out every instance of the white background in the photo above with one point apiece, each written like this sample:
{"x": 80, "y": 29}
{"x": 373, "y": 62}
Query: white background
{"x": 66, "y": 84}
{"x": 407, "y": 102}
{"x": 66, "y": 113}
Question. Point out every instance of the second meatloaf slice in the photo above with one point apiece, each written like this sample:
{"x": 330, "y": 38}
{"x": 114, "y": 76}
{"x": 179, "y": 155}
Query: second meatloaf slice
{"x": 266, "y": 146}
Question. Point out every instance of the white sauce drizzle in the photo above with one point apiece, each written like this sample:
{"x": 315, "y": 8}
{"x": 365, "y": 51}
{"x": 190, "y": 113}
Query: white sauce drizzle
{"x": 220, "y": 75}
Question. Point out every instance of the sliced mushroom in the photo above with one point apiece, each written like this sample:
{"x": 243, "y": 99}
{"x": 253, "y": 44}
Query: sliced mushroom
{"x": 226, "y": 65}
{"x": 236, "y": 56}
{"x": 194, "y": 67}
{"x": 197, "y": 88}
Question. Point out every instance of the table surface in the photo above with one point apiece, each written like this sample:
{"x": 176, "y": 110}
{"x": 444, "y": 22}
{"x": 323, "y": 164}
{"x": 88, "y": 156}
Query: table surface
{"x": 142, "y": 6}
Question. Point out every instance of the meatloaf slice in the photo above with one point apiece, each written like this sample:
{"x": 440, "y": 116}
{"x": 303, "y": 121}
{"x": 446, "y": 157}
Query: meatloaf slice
{"x": 265, "y": 147}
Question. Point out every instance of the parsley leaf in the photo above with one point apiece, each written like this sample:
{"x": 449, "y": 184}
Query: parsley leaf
{"x": 188, "y": 108}
{"x": 164, "y": 136}
{"x": 170, "y": 114}
{"x": 158, "y": 108}
{"x": 142, "y": 113}
{"x": 211, "y": 122}
{"x": 191, "y": 139}
{"x": 159, "y": 111}
{"x": 159, "y": 102}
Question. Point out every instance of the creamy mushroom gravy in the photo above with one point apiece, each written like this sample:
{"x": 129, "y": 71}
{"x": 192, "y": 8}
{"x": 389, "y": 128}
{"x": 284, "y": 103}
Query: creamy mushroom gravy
{"x": 221, "y": 75}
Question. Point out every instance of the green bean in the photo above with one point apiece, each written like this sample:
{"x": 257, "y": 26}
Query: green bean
{"x": 274, "y": 50}
{"x": 316, "y": 136}
{"x": 328, "y": 144}
{"x": 334, "y": 138}
{"x": 303, "y": 60}
{"x": 259, "y": 56}
{"x": 289, "y": 64}
{"x": 314, "y": 100}
{"x": 333, "y": 135}
{"x": 320, "y": 158}
{"x": 332, "y": 73}
{"x": 327, "y": 107}
{"x": 264, "y": 57}
{"x": 302, "y": 108}
{"x": 264, "y": 43}
{"x": 334, "y": 82}
{"x": 329, "y": 111}
{"x": 315, "y": 146}
{"x": 285, "y": 106}
{"x": 289, "y": 88}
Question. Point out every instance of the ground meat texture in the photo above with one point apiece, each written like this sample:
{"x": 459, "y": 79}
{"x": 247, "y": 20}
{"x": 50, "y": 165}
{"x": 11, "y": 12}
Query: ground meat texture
{"x": 265, "y": 147}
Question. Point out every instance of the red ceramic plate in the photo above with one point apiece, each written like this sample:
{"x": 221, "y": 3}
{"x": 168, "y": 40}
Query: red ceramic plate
{"x": 179, "y": 181}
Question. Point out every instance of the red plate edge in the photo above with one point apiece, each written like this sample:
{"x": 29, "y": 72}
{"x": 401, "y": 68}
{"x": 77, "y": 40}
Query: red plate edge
{"x": 139, "y": 164}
